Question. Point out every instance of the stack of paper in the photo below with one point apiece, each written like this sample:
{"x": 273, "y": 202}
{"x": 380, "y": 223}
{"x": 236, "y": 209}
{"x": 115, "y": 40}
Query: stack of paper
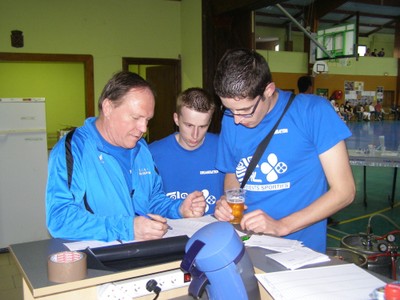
{"x": 187, "y": 226}
{"x": 298, "y": 258}
{"x": 345, "y": 281}
{"x": 273, "y": 243}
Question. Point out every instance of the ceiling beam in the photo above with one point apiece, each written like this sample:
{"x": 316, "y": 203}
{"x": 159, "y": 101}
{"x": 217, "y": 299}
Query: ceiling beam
{"x": 395, "y": 3}
{"x": 336, "y": 11}
{"x": 324, "y": 7}
{"x": 224, "y": 6}
{"x": 387, "y": 25}
{"x": 364, "y": 14}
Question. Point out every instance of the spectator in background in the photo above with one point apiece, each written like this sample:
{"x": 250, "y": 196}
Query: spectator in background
{"x": 305, "y": 85}
{"x": 367, "y": 52}
{"x": 394, "y": 109}
{"x": 343, "y": 112}
{"x": 348, "y": 109}
{"x": 381, "y": 53}
{"x": 372, "y": 111}
{"x": 366, "y": 113}
{"x": 378, "y": 111}
{"x": 359, "y": 111}
{"x": 373, "y": 53}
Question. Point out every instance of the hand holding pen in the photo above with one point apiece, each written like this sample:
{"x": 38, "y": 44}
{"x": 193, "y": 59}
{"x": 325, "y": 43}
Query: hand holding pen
{"x": 151, "y": 218}
{"x": 149, "y": 226}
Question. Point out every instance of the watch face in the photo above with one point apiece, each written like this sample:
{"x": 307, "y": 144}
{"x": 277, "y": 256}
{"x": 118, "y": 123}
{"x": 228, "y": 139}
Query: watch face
{"x": 390, "y": 238}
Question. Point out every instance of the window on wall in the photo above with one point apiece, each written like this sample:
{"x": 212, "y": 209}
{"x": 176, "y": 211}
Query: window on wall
{"x": 361, "y": 50}
{"x": 271, "y": 43}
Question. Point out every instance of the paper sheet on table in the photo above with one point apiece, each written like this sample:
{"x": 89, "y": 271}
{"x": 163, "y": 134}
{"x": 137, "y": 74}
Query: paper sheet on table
{"x": 273, "y": 243}
{"x": 299, "y": 257}
{"x": 338, "y": 282}
{"x": 188, "y": 226}
{"x": 82, "y": 245}
{"x": 184, "y": 226}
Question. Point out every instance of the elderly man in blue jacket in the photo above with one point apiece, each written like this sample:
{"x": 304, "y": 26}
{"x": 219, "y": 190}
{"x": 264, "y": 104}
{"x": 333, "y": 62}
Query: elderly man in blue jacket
{"x": 102, "y": 182}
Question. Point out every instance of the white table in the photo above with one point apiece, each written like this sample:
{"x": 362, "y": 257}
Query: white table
{"x": 387, "y": 159}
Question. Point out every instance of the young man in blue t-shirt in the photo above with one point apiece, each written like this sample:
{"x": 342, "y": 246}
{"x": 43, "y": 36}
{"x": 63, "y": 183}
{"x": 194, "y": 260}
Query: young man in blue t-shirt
{"x": 303, "y": 176}
{"x": 186, "y": 159}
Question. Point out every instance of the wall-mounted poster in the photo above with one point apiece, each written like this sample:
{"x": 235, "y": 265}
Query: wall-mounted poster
{"x": 354, "y": 92}
{"x": 359, "y": 86}
{"x": 322, "y": 92}
{"x": 348, "y": 86}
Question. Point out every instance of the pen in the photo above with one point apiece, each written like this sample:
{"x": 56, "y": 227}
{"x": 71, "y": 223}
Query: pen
{"x": 148, "y": 217}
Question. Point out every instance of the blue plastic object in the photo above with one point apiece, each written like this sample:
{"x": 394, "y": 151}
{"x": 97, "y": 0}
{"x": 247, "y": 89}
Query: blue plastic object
{"x": 218, "y": 262}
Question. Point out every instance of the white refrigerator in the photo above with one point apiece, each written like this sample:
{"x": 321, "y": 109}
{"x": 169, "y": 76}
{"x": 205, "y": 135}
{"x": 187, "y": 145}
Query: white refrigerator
{"x": 23, "y": 170}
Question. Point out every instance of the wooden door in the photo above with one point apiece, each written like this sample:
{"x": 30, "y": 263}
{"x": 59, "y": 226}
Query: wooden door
{"x": 164, "y": 81}
{"x": 388, "y": 98}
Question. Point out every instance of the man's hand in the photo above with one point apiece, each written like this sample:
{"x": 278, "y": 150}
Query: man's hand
{"x": 149, "y": 228}
{"x": 193, "y": 206}
{"x": 258, "y": 221}
{"x": 223, "y": 212}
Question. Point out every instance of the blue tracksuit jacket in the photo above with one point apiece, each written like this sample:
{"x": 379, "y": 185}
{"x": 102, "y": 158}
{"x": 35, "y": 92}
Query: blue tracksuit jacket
{"x": 98, "y": 174}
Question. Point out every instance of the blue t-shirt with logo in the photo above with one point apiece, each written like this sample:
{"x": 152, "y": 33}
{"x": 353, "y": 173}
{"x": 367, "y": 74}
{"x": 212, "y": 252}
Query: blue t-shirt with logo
{"x": 289, "y": 175}
{"x": 184, "y": 171}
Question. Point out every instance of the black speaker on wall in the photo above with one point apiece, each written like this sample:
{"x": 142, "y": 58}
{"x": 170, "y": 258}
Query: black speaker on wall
{"x": 17, "y": 38}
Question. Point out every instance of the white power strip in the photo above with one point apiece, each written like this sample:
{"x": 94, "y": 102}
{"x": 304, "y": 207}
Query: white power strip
{"x": 136, "y": 287}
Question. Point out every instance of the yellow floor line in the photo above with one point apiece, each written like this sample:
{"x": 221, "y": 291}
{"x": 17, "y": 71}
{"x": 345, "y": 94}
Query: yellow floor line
{"x": 337, "y": 231}
{"x": 368, "y": 215}
{"x": 334, "y": 237}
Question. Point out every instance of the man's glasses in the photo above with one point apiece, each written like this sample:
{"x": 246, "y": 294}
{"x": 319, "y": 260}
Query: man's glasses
{"x": 229, "y": 113}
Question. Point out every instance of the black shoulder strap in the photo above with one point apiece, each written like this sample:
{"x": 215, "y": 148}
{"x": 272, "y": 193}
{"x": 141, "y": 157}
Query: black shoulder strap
{"x": 68, "y": 156}
{"x": 263, "y": 145}
{"x": 70, "y": 165}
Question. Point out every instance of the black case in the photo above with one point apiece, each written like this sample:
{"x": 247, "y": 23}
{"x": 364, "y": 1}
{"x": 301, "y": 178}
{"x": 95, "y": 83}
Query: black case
{"x": 136, "y": 254}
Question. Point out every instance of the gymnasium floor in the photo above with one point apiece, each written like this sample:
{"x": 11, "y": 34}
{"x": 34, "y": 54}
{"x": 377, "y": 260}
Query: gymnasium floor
{"x": 354, "y": 218}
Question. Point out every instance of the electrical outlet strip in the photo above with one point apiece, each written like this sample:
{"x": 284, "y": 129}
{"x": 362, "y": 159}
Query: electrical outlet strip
{"x": 136, "y": 287}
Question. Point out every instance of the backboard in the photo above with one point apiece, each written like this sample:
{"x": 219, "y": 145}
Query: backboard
{"x": 339, "y": 41}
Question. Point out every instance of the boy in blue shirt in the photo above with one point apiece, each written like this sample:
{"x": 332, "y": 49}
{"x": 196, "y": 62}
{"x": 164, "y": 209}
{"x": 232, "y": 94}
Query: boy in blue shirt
{"x": 186, "y": 159}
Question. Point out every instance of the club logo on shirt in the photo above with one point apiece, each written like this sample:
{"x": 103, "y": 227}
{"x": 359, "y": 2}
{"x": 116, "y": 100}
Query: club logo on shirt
{"x": 177, "y": 195}
{"x": 209, "y": 172}
{"x": 271, "y": 169}
{"x": 144, "y": 171}
{"x": 210, "y": 199}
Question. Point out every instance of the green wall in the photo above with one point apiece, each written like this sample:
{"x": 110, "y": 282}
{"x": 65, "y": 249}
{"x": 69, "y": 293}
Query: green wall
{"x": 192, "y": 63}
{"x": 61, "y": 84}
{"x": 107, "y": 30}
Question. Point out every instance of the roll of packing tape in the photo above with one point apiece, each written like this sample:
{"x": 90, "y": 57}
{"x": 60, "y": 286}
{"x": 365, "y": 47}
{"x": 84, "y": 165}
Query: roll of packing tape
{"x": 66, "y": 266}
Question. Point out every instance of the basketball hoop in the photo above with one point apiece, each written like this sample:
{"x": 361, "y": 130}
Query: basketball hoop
{"x": 320, "y": 67}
